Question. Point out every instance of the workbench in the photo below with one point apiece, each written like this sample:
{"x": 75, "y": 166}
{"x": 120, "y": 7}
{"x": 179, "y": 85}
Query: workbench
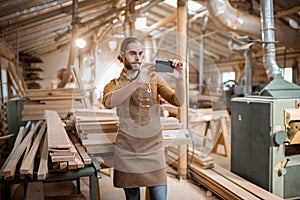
{"x": 53, "y": 176}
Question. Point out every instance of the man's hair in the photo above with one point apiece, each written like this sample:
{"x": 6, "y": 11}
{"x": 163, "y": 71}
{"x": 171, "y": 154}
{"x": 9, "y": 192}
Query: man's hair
{"x": 124, "y": 45}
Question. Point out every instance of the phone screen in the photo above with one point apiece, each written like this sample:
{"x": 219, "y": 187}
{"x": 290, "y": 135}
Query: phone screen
{"x": 163, "y": 66}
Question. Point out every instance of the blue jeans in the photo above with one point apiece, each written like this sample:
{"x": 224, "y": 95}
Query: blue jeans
{"x": 156, "y": 193}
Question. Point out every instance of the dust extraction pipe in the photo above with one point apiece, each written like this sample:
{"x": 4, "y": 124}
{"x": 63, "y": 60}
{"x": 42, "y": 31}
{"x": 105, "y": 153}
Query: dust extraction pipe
{"x": 231, "y": 19}
{"x": 268, "y": 38}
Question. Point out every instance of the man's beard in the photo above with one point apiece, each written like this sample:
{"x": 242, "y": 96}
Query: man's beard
{"x": 129, "y": 66}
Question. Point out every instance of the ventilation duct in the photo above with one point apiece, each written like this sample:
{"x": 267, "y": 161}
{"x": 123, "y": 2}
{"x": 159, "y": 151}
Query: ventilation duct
{"x": 268, "y": 38}
{"x": 278, "y": 87}
{"x": 231, "y": 19}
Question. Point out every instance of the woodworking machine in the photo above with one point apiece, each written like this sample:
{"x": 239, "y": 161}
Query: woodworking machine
{"x": 265, "y": 139}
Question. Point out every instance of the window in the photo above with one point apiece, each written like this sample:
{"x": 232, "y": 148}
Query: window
{"x": 287, "y": 74}
{"x": 4, "y": 83}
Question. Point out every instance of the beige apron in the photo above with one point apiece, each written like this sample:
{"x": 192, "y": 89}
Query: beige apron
{"x": 139, "y": 152}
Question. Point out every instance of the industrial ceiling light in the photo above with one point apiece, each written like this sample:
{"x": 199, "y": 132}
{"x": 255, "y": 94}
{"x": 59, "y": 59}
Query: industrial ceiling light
{"x": 141, "y": 23}
{"x": 193, "y": 6}
{"x": 115, "y": 21}
{"x": 80, "y": 43}
{"x": 112, "y": 44}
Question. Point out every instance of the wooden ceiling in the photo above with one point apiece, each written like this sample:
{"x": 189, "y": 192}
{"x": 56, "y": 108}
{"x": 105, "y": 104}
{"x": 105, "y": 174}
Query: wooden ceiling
{"x": 39, "y": 27}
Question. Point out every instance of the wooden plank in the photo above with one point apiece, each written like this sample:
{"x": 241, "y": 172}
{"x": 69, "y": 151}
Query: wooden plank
{"x": 22, "y": 175}
{"x": 53, "y": 92}
{"x": 63, "y": 166}
{"x": 43, "y": 166}
{"x": 110, "y": 136}
{"x": 97, "y": 125}
{"x": 34, "y": 117}
{"x": 107, "y": 132}
{"x": 258, "y": 191}
{"x": 62, "y": 158}
{"x": 78, "y": 160}
{"x": 62, "y": 102}
{"x": 100, "y": 149}
{"x": 20, "y": 136}
{"x": 102, "y": 141}
{"x": 48, "y": 107}
{"x": 55, "y": 97}
{"x": 94, "y": 112}
{"x": 221, "y": 181}
{"x": 6, "y": 137}
{"x": 94, "y": 119}
{"x": 27, "y": 166}
{"x": 11, "y": 166}
{"x": 56, "y": 152}
{"x": 214, "y": 188}
{"x": 15, "y": 80}
{"x": 85, "y": 157}
{"x": 57, "y": 136}
{"x": 33, "y": 111}
{"x": 77, "y": 77}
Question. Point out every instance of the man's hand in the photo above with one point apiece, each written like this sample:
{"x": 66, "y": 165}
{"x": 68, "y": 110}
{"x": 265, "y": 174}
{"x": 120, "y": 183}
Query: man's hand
{"x": 146, "y": 73}
{"x": 178, "y": 69}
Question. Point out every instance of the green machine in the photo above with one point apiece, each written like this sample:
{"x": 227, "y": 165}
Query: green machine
{"x": 14, "y": 108}
{"x": 265, "y": 138}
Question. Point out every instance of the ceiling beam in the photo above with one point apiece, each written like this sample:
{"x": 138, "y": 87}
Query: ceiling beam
{"x": 285, "y": 13}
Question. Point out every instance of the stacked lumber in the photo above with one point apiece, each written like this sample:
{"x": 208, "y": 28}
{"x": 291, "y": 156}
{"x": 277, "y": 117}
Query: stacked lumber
{"x": 195, "y": 157}
{"x": 170, "y": 123}
{"x": 62, "y": 100}
{"x": 218, "y": 180}
{"x": 61, "y": 149}
{"x": 97, "y": 129}
{"x": 45, "y": 146}
{"x": 228, "y": 185}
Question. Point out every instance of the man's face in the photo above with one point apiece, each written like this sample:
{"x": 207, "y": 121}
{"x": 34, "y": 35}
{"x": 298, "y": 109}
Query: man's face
{"x": 133, "y": 56}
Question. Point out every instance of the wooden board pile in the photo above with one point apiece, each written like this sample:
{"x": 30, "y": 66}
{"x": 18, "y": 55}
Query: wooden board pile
{"x": 170, "y": 123}
{"x": 216, "y": 179}
{"x": 195, "y": 157}
{"x": 46, "y": 140}
{"x": 61, "y": 100}
{"x": 228, "y": 185}
{"x": 97, "y": 129}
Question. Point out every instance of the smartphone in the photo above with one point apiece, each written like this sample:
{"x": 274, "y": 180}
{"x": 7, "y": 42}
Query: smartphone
{"x": 163, "y": 66}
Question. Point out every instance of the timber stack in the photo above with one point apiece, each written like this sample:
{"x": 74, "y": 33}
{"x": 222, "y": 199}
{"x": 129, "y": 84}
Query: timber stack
{"x": 63, "y": 100}
{"x": 97, "y": 129}
{"x": 57, "y": 150}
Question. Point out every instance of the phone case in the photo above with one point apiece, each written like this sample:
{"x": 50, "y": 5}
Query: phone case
{"x": 163, "y": 66}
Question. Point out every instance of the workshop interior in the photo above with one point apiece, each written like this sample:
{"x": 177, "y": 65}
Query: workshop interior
{"x": 237, "y": 136}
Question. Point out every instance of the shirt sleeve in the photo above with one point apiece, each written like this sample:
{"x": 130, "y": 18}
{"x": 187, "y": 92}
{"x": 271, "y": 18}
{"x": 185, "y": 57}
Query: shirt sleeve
{"x": 165, "y": 91}
{"x": 108, "y": 89}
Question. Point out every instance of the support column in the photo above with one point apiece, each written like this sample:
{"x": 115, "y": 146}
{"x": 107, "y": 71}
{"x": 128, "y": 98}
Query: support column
{"x": 181, "y": 42}
{"x": 129, "y": 22}
{"x": 73, "y": 49}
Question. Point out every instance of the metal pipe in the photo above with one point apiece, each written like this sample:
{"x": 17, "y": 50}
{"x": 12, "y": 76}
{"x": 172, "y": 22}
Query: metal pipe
{"x": 73, "y": 49}
{"x": 201, "y": 55}
{"x": 231, "y": 19}
{"x": 268, "y": 38}
{"x": 248, "y": 63}
{"x": 201, "y": 63}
